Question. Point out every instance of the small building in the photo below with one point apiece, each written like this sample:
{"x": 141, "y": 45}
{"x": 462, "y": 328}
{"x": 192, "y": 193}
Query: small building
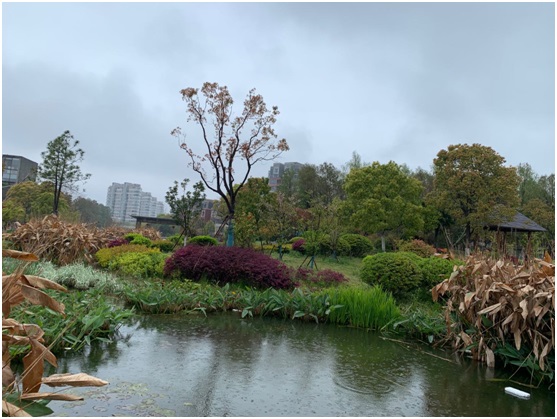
{"x": 16, "y": 169}
{"x": 519, "y": 224}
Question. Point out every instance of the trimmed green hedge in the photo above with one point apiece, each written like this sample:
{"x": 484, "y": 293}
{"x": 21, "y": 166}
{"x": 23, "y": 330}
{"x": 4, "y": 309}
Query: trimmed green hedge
{"x": 398, "y": 273}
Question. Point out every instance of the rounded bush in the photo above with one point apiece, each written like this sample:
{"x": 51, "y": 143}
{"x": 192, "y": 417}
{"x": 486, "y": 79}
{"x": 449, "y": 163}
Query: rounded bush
{"x": 117, "y": 242}
{"x": 418, "y": 247}
{"x": 106, "y": 255}
{"x": 222, "y": 265}
{"x": 136, "y": 238}
{"x": 398, "y": 273}
{"x": 295, "y": 239}
{"x": 203, "y": 241}
{"x": 164, "y": 245}
{"x": 298, "y": 246}
{"x": 139, "y": 265}
{"x": 326, "y": 248}
{"x": 435, "y": 270}
{"x": 359, "y": 245}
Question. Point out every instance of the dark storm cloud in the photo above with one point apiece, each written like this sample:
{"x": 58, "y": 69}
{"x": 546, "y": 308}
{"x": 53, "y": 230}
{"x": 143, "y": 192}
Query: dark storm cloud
{"x": 392, "y": 81}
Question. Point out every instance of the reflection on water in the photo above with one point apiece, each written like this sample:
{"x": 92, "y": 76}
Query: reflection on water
{"x": 180, "y": 365}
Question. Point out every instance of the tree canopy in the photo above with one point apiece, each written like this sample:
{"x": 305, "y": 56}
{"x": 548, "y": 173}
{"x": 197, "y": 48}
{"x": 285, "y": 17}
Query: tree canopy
{"x": 185, "y": 208}
{"x": 473, "y": 186}
{"x": 381, "y": 199}
{"x": 60, "y": 166}
{"x": 228, "y": 142}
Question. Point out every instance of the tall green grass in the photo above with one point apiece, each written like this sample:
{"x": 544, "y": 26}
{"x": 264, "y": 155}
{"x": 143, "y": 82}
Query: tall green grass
{"x": 365, "y": 307}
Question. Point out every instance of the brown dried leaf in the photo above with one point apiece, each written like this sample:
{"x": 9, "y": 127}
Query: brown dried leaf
{"x": 43, "y": 283}
{"x": 494, "y": 307}
{"x": 40, "y": 298}
{"x": 9, "y": 253}
{"x": 74, "y": 380}
{"x": 489, "y": 358}
{"x": 13, "y": 410}
{"x": 517, "y": 339}
{"x": 51, "y": 396}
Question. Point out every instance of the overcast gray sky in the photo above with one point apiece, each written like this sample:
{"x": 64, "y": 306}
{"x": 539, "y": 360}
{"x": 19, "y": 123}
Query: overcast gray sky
{"x": 392, "y": 81}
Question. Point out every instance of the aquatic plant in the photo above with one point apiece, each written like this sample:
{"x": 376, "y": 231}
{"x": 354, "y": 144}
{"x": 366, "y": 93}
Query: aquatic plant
{"x": 365, "y": 307}
{"x": 495, "y": 303}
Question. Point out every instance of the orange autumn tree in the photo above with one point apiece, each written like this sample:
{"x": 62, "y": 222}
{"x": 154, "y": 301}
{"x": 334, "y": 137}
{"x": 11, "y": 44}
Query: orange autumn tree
{"x": 229, "y": 145}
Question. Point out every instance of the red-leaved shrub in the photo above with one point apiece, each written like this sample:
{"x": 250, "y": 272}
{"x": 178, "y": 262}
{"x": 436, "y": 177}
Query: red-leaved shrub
{"x": 298, "y": 245}
{"x": 117, "y": 242}
{"x": 229, "y": 264}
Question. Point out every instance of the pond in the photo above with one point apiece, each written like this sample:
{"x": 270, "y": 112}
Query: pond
{"x": 222, "y": 365}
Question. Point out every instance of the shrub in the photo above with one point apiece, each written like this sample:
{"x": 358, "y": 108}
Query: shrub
{"x": 359, "y": 245}
{"x": 203, "y": 241}
{"x": 139, "y": 265}
{"x": 106, "y": 255}
{"x": 435, "y": 270}
{"x": 398, "y": 272}
{"x": 135, "y": 238}
{"x": 57, "y": 241}
{"x": 298, "y": 246}
{"x": 164, "y": 245}
{"x": 175, "y": 238}
{"x": 325, "y": 277}
{"x": 83, "y": 277}
{"x": 117, "y": 242}
{"x": 326, "y": 247}
{"x": 228, "y": 264}
{"x": 295, "y": 239}
{"x": 418, "y": 247}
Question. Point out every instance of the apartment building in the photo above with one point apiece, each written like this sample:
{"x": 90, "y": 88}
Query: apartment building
{"x": 127, "y": 199}
{"x": 277, "y": 170}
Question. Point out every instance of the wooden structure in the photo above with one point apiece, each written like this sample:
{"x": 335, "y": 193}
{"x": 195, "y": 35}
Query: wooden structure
{"x": 140, "y": 219}
{"x": 518, "y": 224}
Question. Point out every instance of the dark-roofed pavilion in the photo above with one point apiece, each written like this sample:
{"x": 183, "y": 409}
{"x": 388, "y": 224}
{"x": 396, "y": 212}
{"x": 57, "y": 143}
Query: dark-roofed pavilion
{"x": 518, "y": 224}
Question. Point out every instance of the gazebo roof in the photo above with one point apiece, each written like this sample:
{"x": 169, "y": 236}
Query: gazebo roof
{"x": 519, "y": 223}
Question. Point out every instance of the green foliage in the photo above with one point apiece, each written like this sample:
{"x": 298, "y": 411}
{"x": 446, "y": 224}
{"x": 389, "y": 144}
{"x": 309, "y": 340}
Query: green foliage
{"x": 60, "y": 165}
{"x": 341, "y": 247}
{"x": 368, "y": 307}
{"x": 185, "y": 209}
{"x": 359, "y": 245}
{"x": 473, "y": 186}
{"x": 136, "y": 238}
{"x": 382, "y": 198}
{"x": 175, "y": 239}
{"x": 295, "y": 239}
{"x": 161, "y": 297}
{"x": 203, "y": 241}
{"x": 89, "y": 316}
{"x": 139, "y": 265}
{"x": 435, "y": 270}
{"x": 398, "y": 273}
{"x": 106, "y": 255}
{"x": 164, "y": 245}
{"x": 418, "y": 247}
{"x": 92, "y": 212}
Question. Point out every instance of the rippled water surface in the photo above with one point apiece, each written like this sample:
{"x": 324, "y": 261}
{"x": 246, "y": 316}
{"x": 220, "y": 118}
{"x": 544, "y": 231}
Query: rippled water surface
{"x": 225, "y": 366}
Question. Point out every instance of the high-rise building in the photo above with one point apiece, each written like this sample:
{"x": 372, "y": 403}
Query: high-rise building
{"x": 127, "y": 199}
{"x": 16, "y": 169}
{"x": 276, "y": 172}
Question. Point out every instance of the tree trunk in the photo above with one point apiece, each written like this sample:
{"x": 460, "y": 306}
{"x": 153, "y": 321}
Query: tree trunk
{"x": 230, "y": 237}
{"x": 383, "y": 246}
{"x": 468, "y": 236}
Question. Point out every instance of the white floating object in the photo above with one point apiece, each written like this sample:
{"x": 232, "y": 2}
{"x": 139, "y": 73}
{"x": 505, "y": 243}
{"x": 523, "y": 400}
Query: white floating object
{"x": 517, "y": 393}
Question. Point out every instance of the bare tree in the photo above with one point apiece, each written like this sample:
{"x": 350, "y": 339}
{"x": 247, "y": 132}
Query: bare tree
{"x": 228, "y": 142}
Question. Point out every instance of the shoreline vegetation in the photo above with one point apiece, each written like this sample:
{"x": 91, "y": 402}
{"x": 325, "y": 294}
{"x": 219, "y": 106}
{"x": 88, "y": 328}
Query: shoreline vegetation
{"x": 131, "y": 282}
